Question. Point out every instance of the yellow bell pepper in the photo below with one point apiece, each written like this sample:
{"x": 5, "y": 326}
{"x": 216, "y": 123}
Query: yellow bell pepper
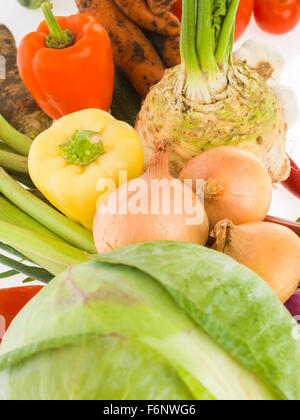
{"x": 68, "y": 161}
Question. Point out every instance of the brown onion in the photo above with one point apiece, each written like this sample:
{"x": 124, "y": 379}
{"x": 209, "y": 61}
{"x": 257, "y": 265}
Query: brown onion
{"x": 237, "y": 185}
{"x": 113, "y": 229}
{"x": 270, "y": 250}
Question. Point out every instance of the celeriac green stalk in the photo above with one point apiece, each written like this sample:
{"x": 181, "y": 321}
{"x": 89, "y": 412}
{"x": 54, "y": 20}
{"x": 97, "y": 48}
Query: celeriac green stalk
{"x": 211, "y": 100}
{"x": 204, "y": 37}
{"x": 194, "y": 82}
{"x": 46, "y": 215}
{"x": 225, "y": 44}
{"x": 206, "y": 45}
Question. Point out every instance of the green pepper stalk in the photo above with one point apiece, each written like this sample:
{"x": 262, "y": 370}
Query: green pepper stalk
{"x": 206, "y": 46}
{"x": 57, "y": 38}
{"x": 82, "y": 148}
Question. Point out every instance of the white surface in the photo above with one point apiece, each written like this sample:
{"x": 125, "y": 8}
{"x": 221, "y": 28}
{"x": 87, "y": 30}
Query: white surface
{"x": 21, "y": 21}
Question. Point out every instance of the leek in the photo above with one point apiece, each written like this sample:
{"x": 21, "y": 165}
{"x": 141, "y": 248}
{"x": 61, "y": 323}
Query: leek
{"x": 46, "y": 215}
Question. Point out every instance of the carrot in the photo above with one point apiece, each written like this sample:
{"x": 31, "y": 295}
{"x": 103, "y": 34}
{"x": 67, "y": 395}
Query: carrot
{"x": 16, "y": 104}
{"x": 133, "y": 52}
{"x": 159, "y": 7}
{"x": 140, "y": 13}
{"x": 167, "y": 48}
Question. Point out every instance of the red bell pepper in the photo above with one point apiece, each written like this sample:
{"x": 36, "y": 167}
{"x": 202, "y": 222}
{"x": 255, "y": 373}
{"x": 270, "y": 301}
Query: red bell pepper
{"x": 12, "y": 300}
{"x": 292, "y": 184}
{"x": 67, "y": 65}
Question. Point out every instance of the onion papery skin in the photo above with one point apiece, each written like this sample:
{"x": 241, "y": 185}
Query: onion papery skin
{"x": 149, "y": 219}
{"x": 237, "y": 185}
{"x": 270, "y": 250}
{"x": 114, "y": 231}
{"x": 247, "y": 114}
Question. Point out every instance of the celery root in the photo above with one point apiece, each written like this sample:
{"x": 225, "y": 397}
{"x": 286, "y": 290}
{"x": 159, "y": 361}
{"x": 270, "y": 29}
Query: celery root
{"x": 209, "y": 100}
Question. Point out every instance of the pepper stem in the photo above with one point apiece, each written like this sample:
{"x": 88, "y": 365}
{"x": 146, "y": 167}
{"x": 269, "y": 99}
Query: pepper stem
{"x": 82, "y": 148}
{"x": 57, "y": 38}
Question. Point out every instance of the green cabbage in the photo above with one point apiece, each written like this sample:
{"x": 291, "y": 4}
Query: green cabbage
{"x": 164, "y": 320}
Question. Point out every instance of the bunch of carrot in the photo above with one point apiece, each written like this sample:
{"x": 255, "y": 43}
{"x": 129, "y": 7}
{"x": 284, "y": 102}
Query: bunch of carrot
{"x": 144, "y": 34}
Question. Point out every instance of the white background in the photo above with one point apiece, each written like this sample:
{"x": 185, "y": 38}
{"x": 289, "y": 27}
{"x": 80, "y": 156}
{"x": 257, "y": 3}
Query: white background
{"x": 21, "y": 21}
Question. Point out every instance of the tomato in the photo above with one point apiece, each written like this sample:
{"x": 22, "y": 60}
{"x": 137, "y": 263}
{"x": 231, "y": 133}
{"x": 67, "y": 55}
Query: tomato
{"x": 277, "y": 16}
{"x": 243, "y": 15}
{"x": 12, "y": 300}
